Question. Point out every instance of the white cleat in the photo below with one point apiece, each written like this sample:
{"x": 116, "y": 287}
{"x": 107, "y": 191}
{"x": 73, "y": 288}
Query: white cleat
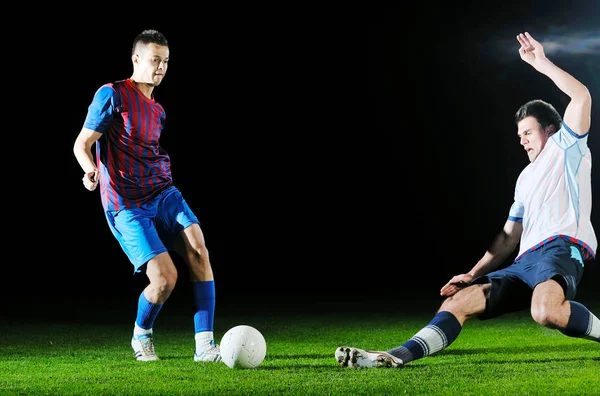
{"x": 143, "y": 346}
{"x": 212, "y": 353}
{"x": 359, "y": 358}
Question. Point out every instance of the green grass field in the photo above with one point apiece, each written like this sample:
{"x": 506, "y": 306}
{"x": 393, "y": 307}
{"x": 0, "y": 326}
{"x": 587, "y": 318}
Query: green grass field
{"x": 92, "y": 356}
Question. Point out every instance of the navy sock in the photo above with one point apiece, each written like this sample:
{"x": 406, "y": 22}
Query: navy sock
{"x": 146, "y": 313}
{"x": 204, "y": 303}
{"x": 437, "y": 335}
{"x": 580, "y": 322}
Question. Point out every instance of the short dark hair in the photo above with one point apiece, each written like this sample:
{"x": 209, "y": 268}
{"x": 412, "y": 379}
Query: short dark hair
{"x": 543, "y": 112}
{"x": 147, "y": 37}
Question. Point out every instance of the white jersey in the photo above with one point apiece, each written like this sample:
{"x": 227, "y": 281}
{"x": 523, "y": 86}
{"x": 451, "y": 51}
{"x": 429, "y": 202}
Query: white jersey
{"x": 553, "y": 195}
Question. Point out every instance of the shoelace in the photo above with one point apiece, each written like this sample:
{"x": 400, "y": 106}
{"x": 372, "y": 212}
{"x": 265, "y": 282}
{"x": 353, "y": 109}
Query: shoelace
{"x": 147, "y": 345}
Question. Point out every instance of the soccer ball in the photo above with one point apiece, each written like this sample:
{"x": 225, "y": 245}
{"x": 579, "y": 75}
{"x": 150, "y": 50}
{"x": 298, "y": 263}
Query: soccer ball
{"x": 243, "y": 347}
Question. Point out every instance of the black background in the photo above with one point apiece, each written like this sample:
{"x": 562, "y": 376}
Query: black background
{"x": 329, "y": 154}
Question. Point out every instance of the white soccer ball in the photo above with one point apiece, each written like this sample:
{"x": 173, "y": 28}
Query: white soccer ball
{"x": 243, "y": 347}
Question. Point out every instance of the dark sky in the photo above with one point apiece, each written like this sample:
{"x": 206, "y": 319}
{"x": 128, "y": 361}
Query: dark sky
{"x": 320, "y": 150}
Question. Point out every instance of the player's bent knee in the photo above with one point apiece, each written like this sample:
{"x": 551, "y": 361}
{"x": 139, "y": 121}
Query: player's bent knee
{"x": 545, "y": 317}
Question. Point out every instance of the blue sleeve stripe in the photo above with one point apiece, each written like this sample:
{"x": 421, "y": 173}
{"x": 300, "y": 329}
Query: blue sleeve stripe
{"x": 573, "y": 133}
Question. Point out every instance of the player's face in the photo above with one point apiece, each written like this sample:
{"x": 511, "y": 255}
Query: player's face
{"x": 152, "y": 61}
{"x": 532, "y": 136}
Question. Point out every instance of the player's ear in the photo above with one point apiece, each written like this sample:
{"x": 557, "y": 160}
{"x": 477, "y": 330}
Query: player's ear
{"x": 550, "y": 129}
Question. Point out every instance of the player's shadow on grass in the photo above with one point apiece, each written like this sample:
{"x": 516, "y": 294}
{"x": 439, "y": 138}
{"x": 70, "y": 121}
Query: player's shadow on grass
{"x": 512, "y": 351}
{"x": 314, "y": 356}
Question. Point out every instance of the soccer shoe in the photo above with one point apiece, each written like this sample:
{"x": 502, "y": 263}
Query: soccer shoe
{"x": 212, "y": 353}
{"x": 355, "y": 357}
{"x": 143, "y": 346}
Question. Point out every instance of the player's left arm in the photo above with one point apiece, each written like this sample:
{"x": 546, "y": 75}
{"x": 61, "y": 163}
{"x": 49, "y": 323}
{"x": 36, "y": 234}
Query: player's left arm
{"x": 504, "y": 243}
{"x": 578, "y": 112}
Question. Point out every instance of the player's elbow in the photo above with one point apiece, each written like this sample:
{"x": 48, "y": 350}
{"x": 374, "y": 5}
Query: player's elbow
{"x": 79, "y": 147}
{"x": 82, "y": 144}
{"x": 582, "y": 97}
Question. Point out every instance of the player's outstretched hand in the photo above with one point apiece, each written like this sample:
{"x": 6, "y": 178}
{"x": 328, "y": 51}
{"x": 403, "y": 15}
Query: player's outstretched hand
{"x": 455, "y": 284}
{"x": 531, "y": 51}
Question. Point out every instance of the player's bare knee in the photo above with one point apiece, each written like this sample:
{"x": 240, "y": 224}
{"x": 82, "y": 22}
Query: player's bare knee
{"x": 545, "y": 316}
{"x": 169, "y": 278}
{"x": 165, "y": 284}
{"x": 172, "y": 281}
{"x": 198, "y": 257}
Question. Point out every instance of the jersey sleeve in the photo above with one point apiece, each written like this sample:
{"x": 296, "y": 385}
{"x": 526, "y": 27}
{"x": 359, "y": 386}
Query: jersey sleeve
{"x": 516, "y": 212}
{"x": 101, "y": 110}
{"x": 566, "y": 138}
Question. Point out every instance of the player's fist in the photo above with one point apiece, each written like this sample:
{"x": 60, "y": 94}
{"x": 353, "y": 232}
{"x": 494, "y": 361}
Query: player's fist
{"x": 90, "y": 180}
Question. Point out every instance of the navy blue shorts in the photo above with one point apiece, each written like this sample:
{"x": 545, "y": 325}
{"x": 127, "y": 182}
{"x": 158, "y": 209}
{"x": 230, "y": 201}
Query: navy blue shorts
{"x": 512, "y": 287}
{"x": 151, "y": 229}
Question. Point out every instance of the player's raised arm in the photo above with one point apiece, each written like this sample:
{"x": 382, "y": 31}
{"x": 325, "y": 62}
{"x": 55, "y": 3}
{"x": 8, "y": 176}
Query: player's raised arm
{"x": 578, "y": 112}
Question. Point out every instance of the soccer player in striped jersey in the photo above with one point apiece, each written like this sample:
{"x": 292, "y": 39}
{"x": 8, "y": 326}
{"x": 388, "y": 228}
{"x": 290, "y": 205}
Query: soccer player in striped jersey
{"x": 145, "y": 211}
{"x": 550, "y": 220}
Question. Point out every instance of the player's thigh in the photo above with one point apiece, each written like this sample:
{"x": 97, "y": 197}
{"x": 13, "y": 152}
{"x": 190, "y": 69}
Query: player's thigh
{"x": 467, "y": 302}
{"x": 506, "y": 294}
{"x": 547, "y": 296}
{"x": 177, "y": 225}
{"x": 136, "y": 233}
{"x": 191, "y": 247}
{"x": 562, "y": 264}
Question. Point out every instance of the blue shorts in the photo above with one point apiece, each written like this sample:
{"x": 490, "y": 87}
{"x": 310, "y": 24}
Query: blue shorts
{"x": 512, "y": 287}
{"x": 151, "y": 229}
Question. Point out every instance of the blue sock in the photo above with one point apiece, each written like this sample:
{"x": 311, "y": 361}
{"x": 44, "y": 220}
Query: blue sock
{"x": 437, "y": 335}
{"x": 579, "y": 324}
{"x": 204, "y": 303}
{"x": 146, "y": 313}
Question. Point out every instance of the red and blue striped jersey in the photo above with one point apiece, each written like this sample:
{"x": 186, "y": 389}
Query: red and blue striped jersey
{"x": 132, "y": 165}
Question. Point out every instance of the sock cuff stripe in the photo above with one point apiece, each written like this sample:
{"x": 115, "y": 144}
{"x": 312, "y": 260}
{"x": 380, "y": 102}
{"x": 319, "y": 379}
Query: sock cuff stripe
{"x": 441, "y": 334}
{"x": 423, "y": 344}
